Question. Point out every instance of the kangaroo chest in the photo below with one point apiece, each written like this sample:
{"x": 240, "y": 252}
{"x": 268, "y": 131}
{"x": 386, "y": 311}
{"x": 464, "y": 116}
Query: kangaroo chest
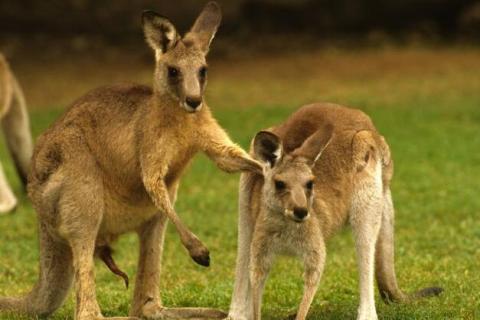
{"x": 288, "y": 237}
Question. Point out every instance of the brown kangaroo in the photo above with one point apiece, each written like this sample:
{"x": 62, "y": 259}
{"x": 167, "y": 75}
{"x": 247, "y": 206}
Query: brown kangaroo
{"x": 326, "y": 165}
{"x": 112, "y": 164}
{"x": 16, "y": 127}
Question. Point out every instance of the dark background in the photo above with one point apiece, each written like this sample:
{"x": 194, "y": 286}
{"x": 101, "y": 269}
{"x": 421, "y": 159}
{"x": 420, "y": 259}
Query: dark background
{"x": 60, "y": 49}
{"x": 82, "y": 23}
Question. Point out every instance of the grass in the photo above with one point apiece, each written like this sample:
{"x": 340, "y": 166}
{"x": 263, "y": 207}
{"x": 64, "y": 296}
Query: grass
{"x": 425, "y": 102}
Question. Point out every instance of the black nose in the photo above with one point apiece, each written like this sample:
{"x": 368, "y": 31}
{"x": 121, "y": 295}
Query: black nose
{"x": 193, "y": 102}
{"x": 300, "y": 213}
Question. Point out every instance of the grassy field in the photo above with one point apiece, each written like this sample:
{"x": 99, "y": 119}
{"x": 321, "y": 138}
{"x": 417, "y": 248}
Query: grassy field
{"x": 426, "y": 102}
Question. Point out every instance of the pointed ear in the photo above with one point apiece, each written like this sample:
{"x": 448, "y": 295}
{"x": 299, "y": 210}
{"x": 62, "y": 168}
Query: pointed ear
{"x": 313, "y": 147}
{"x": 206, "y": 26}
{"x": 159, "y": 32}
{"x": 267, "y": 147}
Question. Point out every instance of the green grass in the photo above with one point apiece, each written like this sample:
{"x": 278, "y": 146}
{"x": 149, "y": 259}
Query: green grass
{"x": 435, "y": 140}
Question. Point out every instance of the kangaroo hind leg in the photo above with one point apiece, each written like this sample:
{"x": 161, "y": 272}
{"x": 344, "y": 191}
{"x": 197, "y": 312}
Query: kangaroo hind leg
{"x": 366, "y": 216}
{"x": 384, "y": 256}
{"x": 80, "y": 214}
{"x": 241, "y": 307}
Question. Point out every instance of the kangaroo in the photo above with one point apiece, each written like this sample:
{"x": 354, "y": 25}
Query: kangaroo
{"x": 326, "y": 166}
{"x": 16, "y": 127}
{"x": 112, "y": 164}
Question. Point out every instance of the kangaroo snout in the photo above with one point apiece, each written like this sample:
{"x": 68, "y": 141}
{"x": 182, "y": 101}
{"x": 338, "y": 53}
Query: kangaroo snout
{"x": 193, "y": 102}
{"x": 300, "y": 213}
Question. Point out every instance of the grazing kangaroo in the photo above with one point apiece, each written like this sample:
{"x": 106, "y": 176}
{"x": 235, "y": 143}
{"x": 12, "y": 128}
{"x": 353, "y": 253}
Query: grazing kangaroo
{"x": 326, "y": 165}
{"x": 16, "y": 127}
{"x": 112, "y": 163}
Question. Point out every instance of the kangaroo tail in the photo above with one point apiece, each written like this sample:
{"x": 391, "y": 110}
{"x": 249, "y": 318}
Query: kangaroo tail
{"x": 13, "y": 305}
{"x": 384, "y": 261}
{"x": 56, "y": 274}
{"x": 16, "y": 126}
{"x": 427, "y": 292}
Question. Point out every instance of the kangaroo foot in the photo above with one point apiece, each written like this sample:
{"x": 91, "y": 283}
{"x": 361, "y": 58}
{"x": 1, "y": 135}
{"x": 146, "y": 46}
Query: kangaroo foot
{"x": 154, "y": 311}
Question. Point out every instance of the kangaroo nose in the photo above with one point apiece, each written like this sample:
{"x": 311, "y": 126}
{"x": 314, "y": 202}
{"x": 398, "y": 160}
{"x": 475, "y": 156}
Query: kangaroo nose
{"x": 193, "y": 102}
{"x": 300, "y": 213}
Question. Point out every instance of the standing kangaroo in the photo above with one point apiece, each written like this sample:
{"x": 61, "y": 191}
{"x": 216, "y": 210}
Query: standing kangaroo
{"x": 326, "y": 165}
{"x": 112, "y": 163}
{"x": 15, "y": 124}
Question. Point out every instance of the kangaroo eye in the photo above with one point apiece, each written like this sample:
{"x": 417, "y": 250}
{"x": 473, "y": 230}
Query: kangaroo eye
{"x": 173, "y": 72}
{"x": 309, "y": 185}
{"x": 279, "y": 185}
{"x": 202, "y": 72}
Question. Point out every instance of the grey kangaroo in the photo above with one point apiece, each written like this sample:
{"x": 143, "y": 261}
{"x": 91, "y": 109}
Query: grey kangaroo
{"x": 112, "y": 164}
{"x": 326, "y": 166}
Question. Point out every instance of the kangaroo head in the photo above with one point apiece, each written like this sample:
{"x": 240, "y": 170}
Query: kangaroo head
{"x": 288, "y": 177}
{"x": 181, "y": 68}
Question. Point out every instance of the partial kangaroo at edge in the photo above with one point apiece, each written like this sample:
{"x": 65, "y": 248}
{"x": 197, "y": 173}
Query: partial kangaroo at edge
{"x": 326, "y": 166}
{"x": 112, "y": 164}
{"x": 16, "y": 127}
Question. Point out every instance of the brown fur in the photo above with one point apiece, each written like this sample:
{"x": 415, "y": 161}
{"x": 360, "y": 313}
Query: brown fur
{"x": 112, "y": 164}
{"x": 16, "y": 127}
{"x": 349, "y": 163}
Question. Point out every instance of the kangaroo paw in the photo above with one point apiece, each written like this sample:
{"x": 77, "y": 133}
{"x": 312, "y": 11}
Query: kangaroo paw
{"x": 199, "y": 253}
{"x": 201, "y": 256}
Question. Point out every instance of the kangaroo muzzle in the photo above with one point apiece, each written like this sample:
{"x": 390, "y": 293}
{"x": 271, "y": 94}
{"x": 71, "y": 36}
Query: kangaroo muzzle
{"x": 193, "y": 104}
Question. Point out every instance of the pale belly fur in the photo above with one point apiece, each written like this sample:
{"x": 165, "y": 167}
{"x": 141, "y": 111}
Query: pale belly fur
{"x": 292, "y": 239}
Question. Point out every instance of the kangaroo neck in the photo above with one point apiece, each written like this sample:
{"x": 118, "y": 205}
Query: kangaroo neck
{"x": 165, "y": 106}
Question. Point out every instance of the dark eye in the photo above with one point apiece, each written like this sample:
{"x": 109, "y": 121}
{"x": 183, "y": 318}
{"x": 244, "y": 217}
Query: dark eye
{"x": 202, "y": 72}
{"x": 279, "y": 185}
{"x": 309, "y": 185}
{"x": 173, "y": 72}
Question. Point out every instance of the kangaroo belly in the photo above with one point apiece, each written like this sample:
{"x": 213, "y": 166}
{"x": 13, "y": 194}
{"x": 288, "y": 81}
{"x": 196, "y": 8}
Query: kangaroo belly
{"x": 124, "y": 215}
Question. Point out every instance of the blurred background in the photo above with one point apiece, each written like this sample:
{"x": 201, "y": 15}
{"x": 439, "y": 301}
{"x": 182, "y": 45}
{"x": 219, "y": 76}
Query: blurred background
{"x": 412, "y": 65}
{"x": 87, "y": 42}
{"x": 117, "y": 22}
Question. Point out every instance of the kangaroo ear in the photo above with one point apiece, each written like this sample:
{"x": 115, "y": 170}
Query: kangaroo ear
{"x": 159, "y": 32}
{"x": 267, "y": 147}
{"x": 206, "y": 26}
{"x": 313, "y": 147}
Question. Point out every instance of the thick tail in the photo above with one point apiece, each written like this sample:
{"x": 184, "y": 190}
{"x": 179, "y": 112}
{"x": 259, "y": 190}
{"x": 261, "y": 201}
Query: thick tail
{"x": 384, "y": 262}
{"x": 56, "y": 275}
{"x": 17, "y": 305}
{"x": 16, "y": 126}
